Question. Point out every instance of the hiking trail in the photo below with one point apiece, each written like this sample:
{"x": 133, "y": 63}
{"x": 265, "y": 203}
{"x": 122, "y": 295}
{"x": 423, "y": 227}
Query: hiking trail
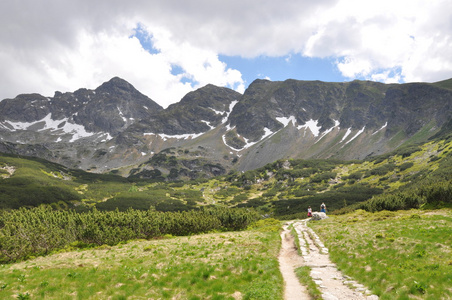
{"x": 330, "y": 281}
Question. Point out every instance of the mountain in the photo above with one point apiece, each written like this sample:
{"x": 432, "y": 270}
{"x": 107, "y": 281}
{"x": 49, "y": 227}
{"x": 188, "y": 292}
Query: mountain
{"x": 350, "y": 120}
{"x": 214, "y": 129}
{"x": 103, "y": 112}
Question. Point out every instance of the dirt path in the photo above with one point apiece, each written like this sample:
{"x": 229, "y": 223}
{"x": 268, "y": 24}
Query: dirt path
{"x": 331, "y": 282}
{"x": 289, "y": 260}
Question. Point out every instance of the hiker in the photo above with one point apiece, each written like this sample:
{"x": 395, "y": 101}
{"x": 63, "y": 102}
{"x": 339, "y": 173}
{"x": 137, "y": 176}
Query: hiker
{"x": 323, "y": 207}
{"x": 309, "y": 211}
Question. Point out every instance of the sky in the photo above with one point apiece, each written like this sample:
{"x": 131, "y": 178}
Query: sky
{"x": 169, "y": 48}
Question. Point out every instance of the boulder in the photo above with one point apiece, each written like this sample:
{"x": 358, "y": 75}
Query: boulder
{"x": 317, "y": 216}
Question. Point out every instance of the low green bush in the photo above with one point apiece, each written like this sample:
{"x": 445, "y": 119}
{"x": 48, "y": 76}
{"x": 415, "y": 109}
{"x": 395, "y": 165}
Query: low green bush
{"x": 41, "y": 230}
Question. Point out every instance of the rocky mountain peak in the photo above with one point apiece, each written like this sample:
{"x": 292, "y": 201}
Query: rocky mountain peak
{"x": 210, "y": 96}
{"x": 116, "y": 85}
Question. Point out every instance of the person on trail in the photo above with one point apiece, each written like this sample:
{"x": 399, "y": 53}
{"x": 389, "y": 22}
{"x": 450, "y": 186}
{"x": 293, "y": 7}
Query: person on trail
{"x": 323, "y": 208}
{"x": 309, "y": 211}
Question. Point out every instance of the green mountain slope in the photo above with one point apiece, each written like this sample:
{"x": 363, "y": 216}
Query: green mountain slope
{"x": 284, "y": 188}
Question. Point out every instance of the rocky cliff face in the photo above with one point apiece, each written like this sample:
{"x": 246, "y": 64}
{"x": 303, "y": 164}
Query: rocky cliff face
{"x": 115, "y": 125}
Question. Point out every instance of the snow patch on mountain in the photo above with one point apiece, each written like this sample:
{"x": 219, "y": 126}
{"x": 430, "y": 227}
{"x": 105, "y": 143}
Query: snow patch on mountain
{"x": 225, "y": 119}
{"x": 383, "y": 127}
{"x": 248, "y": 144}
{"x": 356, "y": 135}
{"x": 226, "y": 144}
{"x": 122, "y": 115}
{"x": 166, "y": 137}
{"x": 336, "y": 125}
{"x": 231, "y": 107}
{"x": 62, "y": 126}
{"x": 106, "y": 137}
{"x": 217, "y": 112}
{"x": 229, "y": 128}
{"x": 349, "y": 130}
{"x": 313, "y": 126}
{"x": 285, "y": 121}
{"x": 208, "y": 124}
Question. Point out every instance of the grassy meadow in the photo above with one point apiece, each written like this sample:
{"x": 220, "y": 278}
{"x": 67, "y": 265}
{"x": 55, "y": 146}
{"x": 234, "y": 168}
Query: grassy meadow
{"x": 227, "y": 265}
{"x": 398, "y": 255}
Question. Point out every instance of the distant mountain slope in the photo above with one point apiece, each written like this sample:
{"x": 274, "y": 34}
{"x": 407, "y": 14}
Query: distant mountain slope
{"x": 353, "y": 105}
{"x": 197, "y": 112}
{"x": 283, "y": 188}
{"x": 116, "y": 127}
{"x": 100, "y": 113}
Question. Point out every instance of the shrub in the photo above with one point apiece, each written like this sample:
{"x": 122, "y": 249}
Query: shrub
{"x": 323, "y": 177}
{"x": 41, "y": 230}
{"x": 405, "y": 166}
{"x": 354, "y": 176}
{"x": 382, "y": 170}
{"x": 392, "y": 202}
{"x": 437, "y": 192}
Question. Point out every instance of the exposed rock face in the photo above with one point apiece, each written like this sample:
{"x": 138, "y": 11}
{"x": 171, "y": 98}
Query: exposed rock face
{"x": 355, "y": 105}
{"x": 197, "y": 112}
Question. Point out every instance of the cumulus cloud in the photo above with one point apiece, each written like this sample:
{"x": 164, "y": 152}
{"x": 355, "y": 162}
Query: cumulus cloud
{"x": 50, "y": 48}
{"x": 64, "y": 45}
{"x": 386, "y": 40}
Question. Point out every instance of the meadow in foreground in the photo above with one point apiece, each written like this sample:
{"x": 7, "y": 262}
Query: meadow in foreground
{"x": 398, "y": 255}
{"x": 227, "y": 265}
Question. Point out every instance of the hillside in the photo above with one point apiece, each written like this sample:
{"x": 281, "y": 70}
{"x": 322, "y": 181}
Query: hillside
{"x": 282, "y": 189}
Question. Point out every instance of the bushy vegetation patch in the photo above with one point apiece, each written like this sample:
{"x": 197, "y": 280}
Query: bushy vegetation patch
{"x": 283, "y": 189}
{"x": 392, "y": 202}
{"x": 435, "y": 195}
{"x": 381, "y": 170}
{"x": 39, "y": 231}
{"x": 335, "y": 199}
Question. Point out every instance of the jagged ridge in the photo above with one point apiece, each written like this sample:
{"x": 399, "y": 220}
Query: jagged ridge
{"x": 115, "y": 125}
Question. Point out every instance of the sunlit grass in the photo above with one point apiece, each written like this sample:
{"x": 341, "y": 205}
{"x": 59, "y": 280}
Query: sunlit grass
{"x": 304, "y": 276}
{"x": 396, "y": 254}
{"x": 210, "y": 266}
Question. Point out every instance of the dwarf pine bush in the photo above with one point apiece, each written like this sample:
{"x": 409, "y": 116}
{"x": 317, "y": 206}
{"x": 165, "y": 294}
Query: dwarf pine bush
{"x": 38, "y": 231}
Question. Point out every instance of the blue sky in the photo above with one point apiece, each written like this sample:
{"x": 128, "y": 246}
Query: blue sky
{"x": 292, "y": 66}
{"x": 169, "y": 48}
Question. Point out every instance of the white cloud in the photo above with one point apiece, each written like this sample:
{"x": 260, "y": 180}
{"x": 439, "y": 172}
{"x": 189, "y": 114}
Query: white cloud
{"x": 83, "y": 51}
{"x": 386, "y": 40}
{"x": 64, "y": 45}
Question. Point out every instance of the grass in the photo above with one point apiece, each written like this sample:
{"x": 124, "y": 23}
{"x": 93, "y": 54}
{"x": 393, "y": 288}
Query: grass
{"x": 304, "y": 276}
{"x": 211, "y": 266}
{"x": 398, "y": 255}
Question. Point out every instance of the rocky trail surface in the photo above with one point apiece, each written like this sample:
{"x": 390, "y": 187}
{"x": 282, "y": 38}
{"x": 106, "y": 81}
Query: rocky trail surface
{"x": 330, "y": 281}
